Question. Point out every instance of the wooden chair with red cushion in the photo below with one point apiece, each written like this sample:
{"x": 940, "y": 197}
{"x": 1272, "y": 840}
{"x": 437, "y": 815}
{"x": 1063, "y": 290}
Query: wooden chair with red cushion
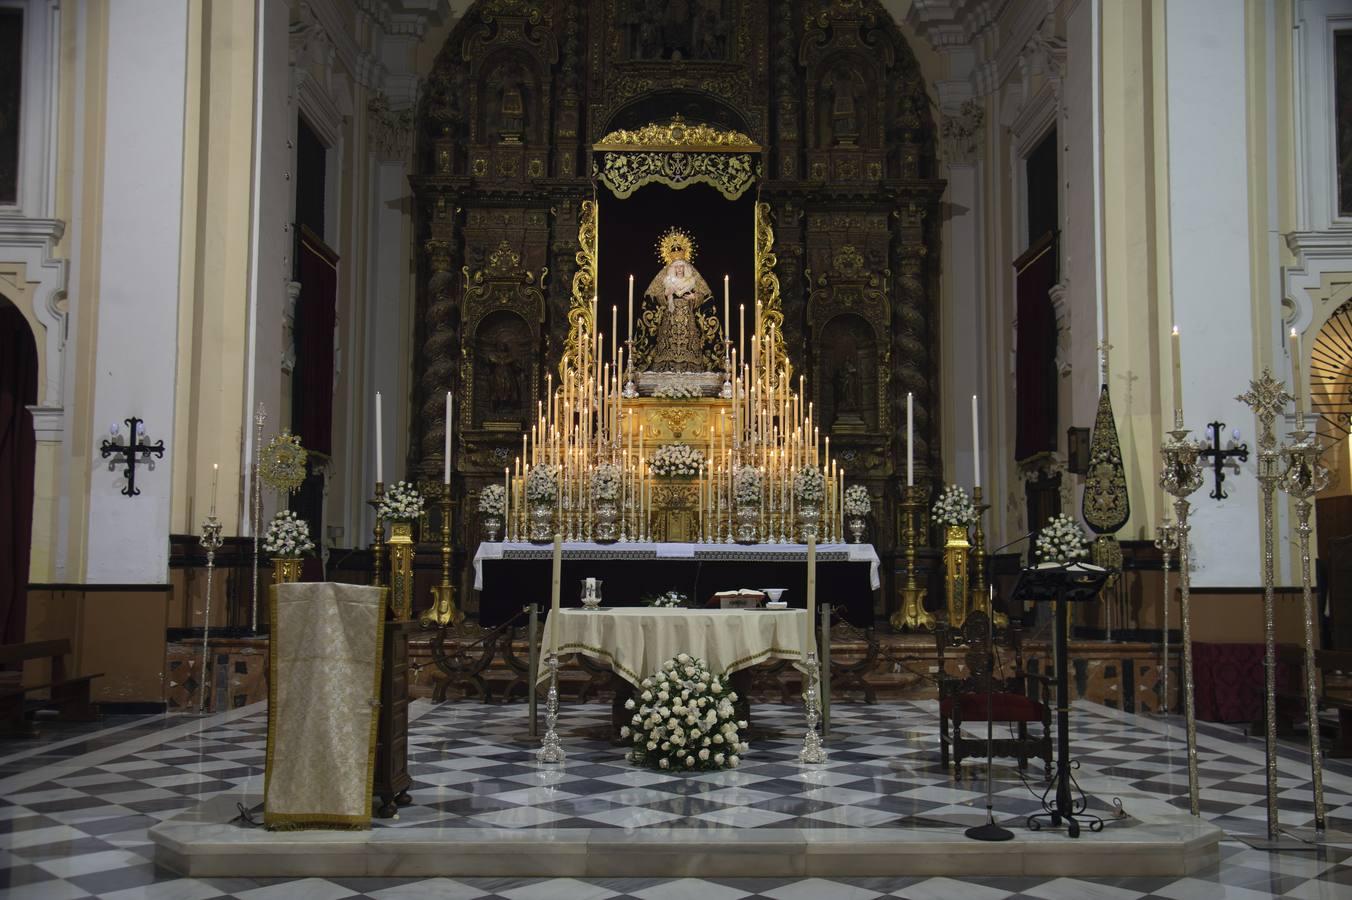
{"x": 1016, "y": 699}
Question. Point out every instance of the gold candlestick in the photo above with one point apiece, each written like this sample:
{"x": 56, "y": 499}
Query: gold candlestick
{"x": 443, "y": 611}
{"x": 378, "y": 547}
{"x": 981, "y": 598}
{"x": 912, "y": 615}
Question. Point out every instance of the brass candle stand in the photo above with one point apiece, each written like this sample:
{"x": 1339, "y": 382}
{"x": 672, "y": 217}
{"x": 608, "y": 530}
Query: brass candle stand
{"x": 211, "y": 541}
{"x": 378, "y": 547}
{"x": 1181, "y": 476}
{"x": 1304, "y": 477}
{"x": 912, "y": 615}
{"x": 980, "y": 591}
{"x": 1267, "y": 397}
{"x": 443, "y": 611}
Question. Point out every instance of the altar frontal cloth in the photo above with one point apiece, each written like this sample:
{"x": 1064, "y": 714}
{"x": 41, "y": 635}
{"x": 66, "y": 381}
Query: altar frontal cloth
{"x": 323, "y": 704}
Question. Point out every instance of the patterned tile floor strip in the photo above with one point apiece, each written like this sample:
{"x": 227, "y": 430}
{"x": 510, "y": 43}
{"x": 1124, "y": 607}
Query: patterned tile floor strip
{"x": 75, "y": 806}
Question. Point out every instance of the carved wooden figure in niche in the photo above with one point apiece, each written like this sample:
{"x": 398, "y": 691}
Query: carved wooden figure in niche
{"x": 846, "y": 92}
{"x": 503, "y": 352}
{"x": 509, "y": 84}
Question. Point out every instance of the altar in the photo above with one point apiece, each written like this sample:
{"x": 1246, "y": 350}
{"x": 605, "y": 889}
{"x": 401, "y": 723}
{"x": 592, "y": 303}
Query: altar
{"x": 509, "y": 575}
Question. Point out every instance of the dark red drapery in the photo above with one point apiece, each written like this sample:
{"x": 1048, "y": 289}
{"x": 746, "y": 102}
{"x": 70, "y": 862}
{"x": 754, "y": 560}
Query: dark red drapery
{"x": 1035, "y": 351}
{"x": 316, "y": 315}
{"x": 18, "y": 447}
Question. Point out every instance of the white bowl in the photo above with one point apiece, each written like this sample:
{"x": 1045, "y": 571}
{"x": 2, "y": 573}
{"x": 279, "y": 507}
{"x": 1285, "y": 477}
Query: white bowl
{"x": 773, "y": 593}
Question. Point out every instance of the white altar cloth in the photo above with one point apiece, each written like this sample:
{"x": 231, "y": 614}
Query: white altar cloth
{"x": 634, "y": 642}
{"x": 664, "y": 550}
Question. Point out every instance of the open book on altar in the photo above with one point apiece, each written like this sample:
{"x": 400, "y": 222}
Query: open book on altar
{"x": 742, "y": 598}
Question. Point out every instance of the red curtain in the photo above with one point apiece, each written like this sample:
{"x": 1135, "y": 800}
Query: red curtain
{"x": 1035, "y": 352}
{"x": 316, "y": 315}
{"x": 18, "y": 448}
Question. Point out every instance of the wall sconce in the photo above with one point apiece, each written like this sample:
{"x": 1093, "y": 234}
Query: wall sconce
{"x": 138, "y": 449}
{"x": 1230, "y": 457}
{"x": 1077, "y": 451}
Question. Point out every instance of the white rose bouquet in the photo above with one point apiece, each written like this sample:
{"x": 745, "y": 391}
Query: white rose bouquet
{"x": 857, "y": 502}
{"x": 954, "y": 507}
{"x": 684, "y": 720}
{"x": 542, "y": 484}
{"x": 493, "y": 500}
{"x": 1061, "y": 541}
{"x": 288, "y": 536}
{"x": 678, "y": 391}
{"x": 809, "y": 486}
{"x": 605, "y": 482}
{"x": 747, "y": 484}
{"x": 401, "y": 503}
{"x": 667, "y": 600}
{"x": 677, "y": 459}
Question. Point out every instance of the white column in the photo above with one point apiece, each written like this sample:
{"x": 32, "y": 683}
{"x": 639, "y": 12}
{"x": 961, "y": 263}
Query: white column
{"x": 138, "y": 281}
{"x": 1209, "y": 247}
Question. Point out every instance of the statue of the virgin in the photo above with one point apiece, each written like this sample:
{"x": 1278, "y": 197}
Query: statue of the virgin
{"x": 678, "y": 291}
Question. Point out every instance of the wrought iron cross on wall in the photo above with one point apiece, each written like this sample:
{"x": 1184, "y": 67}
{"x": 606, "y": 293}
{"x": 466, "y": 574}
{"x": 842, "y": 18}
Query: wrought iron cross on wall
{"x": 1219, "y": 455}
{"x": 136, "y": 446}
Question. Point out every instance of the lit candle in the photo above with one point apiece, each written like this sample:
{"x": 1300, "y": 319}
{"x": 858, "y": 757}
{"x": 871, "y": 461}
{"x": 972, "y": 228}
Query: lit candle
{"x": 1297, "y": 384}
{"x": 910, "y": 440}
{"x": 631, "y": 307}
{"x": 449, "y": 404}
{"x": 614, "y": 336}
{"x": 215, "y": 474}
{"x": 506, "y": 499}
{"x": 556, "y": 583}
{"x": 727, "y": 318}
{"x": 976, "y": 446}
{"x": 741, "y": 331}
{"x": 1178, "y": 371}
{"x": 380, "y": 456}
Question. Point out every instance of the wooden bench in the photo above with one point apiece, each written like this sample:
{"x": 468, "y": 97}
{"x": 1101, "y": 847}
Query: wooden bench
{"x": 69, "y": 694}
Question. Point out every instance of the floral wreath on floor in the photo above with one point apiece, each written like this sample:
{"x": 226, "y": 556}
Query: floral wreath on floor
{"x": 683, "y": 719}
{"x": 288, "y": 536}
{"x": 1061, "y": 541}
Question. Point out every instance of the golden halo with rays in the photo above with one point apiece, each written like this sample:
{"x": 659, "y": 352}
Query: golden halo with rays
{"x": 675, "y": 244}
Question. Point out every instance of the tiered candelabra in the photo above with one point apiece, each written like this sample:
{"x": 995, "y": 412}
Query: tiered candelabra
{"x": 1180, "y": 477}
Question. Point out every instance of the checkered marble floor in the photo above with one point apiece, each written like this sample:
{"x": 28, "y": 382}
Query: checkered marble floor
{"x": 74, "y": 810}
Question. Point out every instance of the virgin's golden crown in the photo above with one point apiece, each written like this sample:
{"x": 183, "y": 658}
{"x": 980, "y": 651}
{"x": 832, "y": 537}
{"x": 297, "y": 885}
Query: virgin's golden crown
{"x": 675, "y": 244}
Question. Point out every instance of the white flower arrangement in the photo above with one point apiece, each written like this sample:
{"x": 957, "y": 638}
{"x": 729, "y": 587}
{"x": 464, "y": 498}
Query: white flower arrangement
{"x": 668, "y": 600}
{"x": 809, "y": 486}
{"x": 747, "y": 485}
{"x": 605, "y": 482}
{"x": 288, "y": 536}
{"x": 401, "y": 503}
{"x": 542, "y": 484}
{"x": 954, "y": 507}
{"x": 677, "y": 459}
{"x": 684, "y": 720}
{"x": 678, "y": 391}
{"x": 857, "y": 502}
{"x": 1061, "y": 541}
{"x": 493, "y": 500}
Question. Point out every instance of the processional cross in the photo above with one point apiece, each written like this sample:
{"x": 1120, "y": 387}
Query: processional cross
{"x": 1218, "y": 456}
{"x": 135, "y": 446}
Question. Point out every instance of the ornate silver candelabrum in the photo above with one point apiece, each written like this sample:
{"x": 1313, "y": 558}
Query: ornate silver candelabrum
{"x": 1181, "y": 476}
{"x": 1166, "y": 541}
{"x": 551, "y": 748}
{"x": 813, "y": 753}
{"x": 1267, "y": 397}
{"x": 211, "y": 541}
{"x": 1303, "y": 477}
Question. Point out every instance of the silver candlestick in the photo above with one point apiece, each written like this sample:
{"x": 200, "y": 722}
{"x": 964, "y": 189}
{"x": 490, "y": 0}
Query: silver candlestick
{"x": 1303, "y": 478}
{"x": 1166, "y": 541}
{"x": 1267, "y": 397}
{"x": 1181, "y": 476}
{"x": 211, "y": 541}
{"x": 813, "y": 753}
{"x": 551, "y": 748}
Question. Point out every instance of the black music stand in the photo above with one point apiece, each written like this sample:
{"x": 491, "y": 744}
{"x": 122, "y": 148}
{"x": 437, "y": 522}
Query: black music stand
{"x": 1071, "y": 583}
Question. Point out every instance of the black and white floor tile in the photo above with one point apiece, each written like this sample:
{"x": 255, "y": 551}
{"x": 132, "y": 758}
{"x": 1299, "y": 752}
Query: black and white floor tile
{"x": 76, "y": 804}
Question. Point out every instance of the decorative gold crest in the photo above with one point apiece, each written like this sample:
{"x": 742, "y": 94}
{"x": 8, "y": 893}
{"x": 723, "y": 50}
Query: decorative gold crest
{"x": 676, "y": 244}
{"x": 282, "y": 463}
{"x": 677, "y": 134}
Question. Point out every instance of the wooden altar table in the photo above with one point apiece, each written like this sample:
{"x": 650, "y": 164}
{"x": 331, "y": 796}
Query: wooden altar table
{"x": 510, "y": 575}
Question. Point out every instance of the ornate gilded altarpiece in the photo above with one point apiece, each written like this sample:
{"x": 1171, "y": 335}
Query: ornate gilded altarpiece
{"x": 816, "y": 110}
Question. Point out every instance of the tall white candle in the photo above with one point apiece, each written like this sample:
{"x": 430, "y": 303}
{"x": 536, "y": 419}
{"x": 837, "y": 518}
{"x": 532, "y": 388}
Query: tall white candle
{"x": 976, "y": 446}
{"x": 910, "y": 439}
{"x": 631, "y": 307}
{"x": 380, "y": 454}
{"x": 1177, "y": 354}
{"x": 727, "y": 319}
{"x": 1297, "y": 383}
{"x": 614, "y": 335}
{"x": 506, "y": 500}
{"x": 811, "y": 592}
{"x": 215, "y": 474}
{"x": 741, "y": 331}
{"x": 556, "y": 584}
{"x": 449, "y": 425}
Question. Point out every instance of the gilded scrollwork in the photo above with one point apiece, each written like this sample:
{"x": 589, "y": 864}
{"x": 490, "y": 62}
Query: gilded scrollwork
{"x": 575, "y": 354}
{"x": 729, "y": 173}
{"x": 767, "y": 290}
{"x": 677, "y": 135}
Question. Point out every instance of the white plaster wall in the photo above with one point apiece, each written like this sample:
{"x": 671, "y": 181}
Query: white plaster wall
{"x": 1209, "y": 246}
{"x": 1078, "y": 134}
{"x": 138, "y": 281}
{"x": 963, "y": 328}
